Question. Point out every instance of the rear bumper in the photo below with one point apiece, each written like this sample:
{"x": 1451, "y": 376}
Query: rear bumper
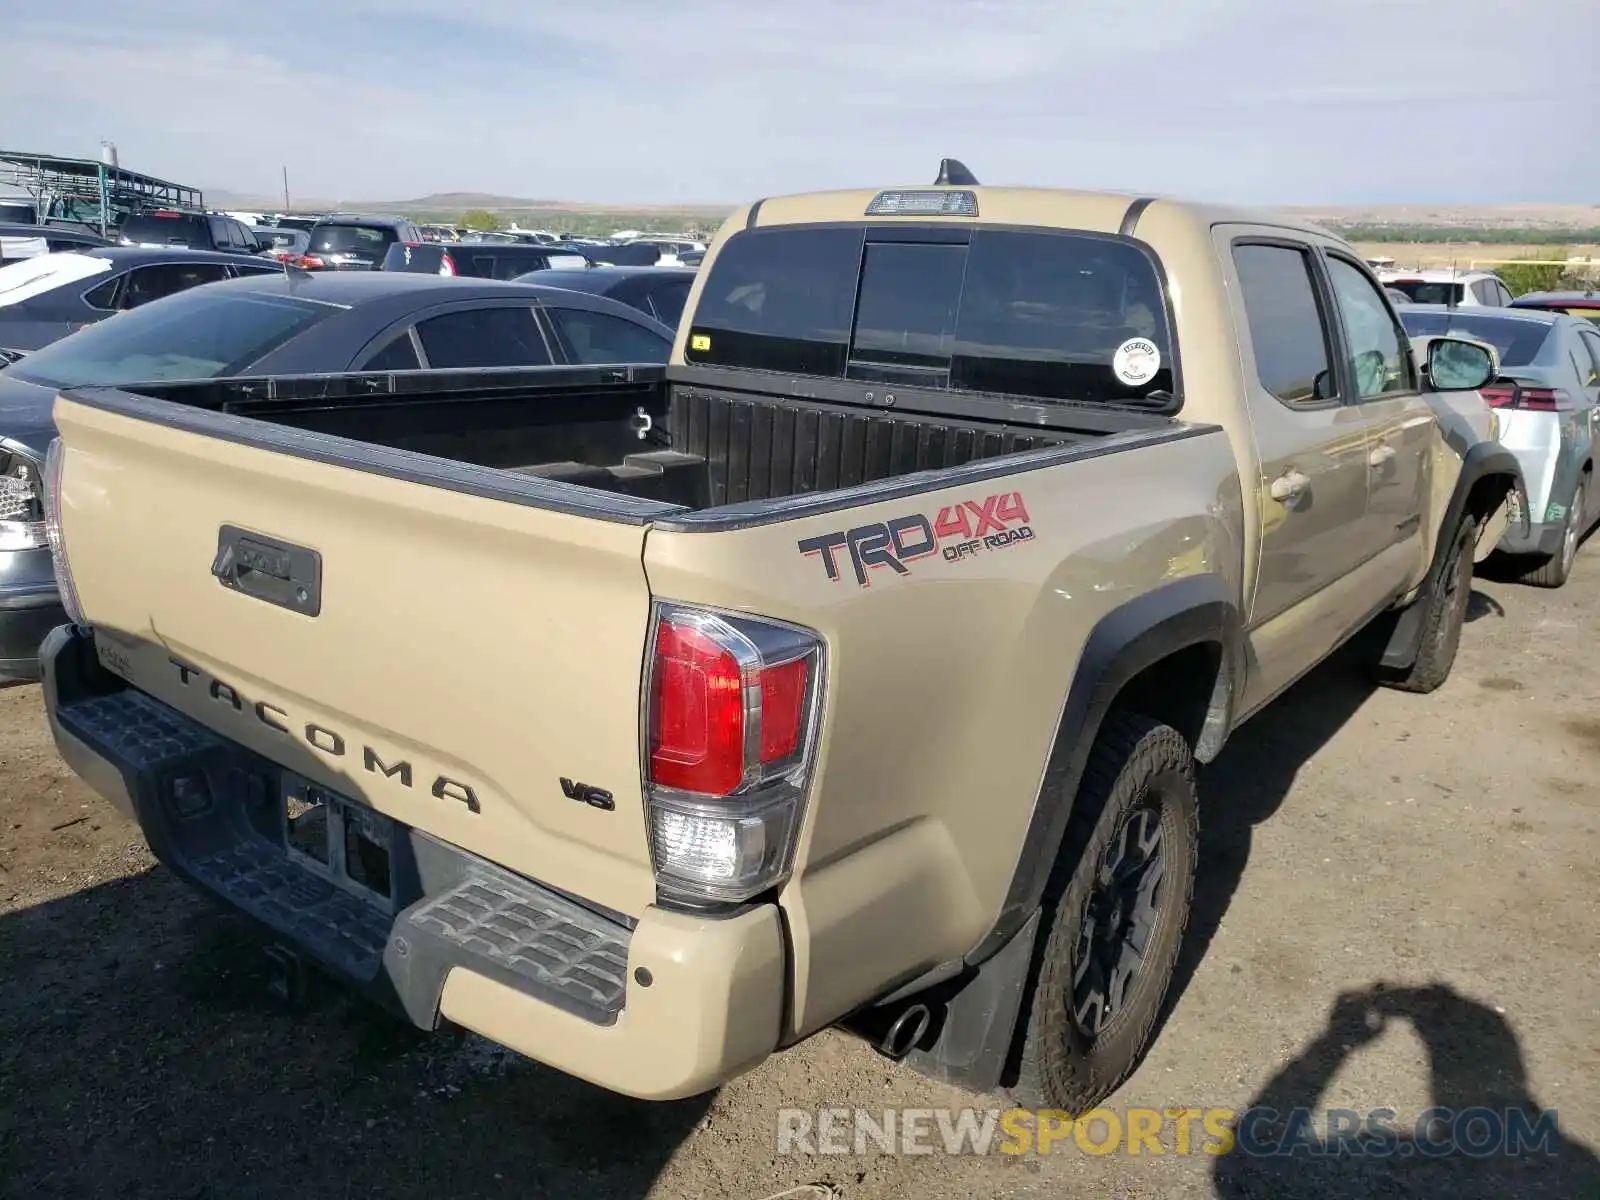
{"x": 665, "y": 1007}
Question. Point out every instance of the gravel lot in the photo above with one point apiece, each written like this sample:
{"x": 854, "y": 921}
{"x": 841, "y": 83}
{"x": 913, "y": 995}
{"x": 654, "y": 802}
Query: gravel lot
{"x": 1438, "y": 855}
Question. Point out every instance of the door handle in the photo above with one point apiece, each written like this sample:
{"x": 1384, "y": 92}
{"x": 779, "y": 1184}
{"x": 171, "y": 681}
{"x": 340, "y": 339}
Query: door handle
{"x": 1380, "y": 456}
{"x": 1291, "y": 485}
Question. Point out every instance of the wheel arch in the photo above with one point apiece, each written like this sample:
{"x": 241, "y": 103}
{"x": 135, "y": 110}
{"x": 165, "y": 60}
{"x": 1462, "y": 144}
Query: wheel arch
{"x": 1488, "y": 474}
{"x": 1175, "y": 654}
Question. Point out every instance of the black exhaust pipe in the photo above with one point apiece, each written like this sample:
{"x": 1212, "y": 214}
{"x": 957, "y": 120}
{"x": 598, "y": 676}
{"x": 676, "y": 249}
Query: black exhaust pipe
{"x": 904, "y": 1032}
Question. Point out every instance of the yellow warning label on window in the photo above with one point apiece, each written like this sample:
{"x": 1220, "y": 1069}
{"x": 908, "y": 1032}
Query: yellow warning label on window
{"x": 700, "y": 341}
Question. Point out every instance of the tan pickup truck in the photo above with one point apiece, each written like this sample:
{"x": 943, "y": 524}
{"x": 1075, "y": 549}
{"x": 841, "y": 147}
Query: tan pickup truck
{"x": 852, "y": 668}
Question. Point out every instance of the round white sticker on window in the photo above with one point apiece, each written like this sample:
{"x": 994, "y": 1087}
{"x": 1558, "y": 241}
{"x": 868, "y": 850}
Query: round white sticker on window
{"x": 1136, "y": 361}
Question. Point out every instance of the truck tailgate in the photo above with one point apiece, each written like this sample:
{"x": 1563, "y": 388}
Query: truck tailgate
{"x": 493, "y": 647}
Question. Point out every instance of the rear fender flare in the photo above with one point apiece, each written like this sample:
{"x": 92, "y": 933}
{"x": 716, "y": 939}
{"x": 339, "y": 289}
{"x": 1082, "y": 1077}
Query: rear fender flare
{"x": 1175, "y": 616}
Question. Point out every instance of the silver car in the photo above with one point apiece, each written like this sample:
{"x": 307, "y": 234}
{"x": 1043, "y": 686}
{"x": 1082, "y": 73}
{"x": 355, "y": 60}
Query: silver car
{"x": 1546, "y": 398}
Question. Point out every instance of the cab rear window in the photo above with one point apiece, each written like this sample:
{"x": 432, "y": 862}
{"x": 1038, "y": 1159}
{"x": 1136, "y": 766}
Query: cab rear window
{"x": 1065, "y": 316}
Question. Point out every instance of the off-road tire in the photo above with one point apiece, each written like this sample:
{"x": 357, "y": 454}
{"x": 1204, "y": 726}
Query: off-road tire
{"x": 1554, "y": 571}
{"x": 1444, "y": 619}
{"x": 1134, "y": 759}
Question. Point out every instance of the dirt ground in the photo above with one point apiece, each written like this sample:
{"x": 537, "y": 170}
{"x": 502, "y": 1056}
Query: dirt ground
{"x": 1439, "y": 855}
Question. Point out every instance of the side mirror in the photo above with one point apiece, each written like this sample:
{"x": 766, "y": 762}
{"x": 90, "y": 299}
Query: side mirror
{"x": 1457, "y": 365}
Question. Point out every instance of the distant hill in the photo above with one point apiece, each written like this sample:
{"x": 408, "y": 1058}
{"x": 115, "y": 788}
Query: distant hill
{"x": 1442, "y": 221}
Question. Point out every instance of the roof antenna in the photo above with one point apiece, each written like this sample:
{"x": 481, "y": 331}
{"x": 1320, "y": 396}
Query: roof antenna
{"x": 953, "y": 173}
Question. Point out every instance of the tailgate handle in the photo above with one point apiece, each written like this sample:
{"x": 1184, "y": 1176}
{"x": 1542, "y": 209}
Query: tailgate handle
{"x": 270, "y": 570}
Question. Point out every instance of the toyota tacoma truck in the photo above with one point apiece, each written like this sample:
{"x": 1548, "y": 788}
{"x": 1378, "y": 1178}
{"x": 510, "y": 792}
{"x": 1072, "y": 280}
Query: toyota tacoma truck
{"x": 853, "y": 668}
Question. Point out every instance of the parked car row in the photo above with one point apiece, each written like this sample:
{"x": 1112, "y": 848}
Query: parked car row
{"x": 1547, "y": 398}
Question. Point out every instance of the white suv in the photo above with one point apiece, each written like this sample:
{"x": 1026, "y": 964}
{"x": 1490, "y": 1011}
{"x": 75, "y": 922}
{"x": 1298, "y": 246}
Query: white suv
{"x": 1447, "y": 285}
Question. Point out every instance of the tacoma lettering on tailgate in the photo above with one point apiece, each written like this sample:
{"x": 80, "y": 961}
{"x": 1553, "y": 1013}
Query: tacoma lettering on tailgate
{"x": 958, "y": 532}
{"x": 329, "y": 742}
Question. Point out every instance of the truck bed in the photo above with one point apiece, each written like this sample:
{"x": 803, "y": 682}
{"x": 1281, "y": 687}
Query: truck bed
{"x": 687, "y": 442}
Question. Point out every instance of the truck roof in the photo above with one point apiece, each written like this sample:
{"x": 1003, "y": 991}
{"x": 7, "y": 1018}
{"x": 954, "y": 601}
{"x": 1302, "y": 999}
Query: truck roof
{"x": 1047, "y": 207}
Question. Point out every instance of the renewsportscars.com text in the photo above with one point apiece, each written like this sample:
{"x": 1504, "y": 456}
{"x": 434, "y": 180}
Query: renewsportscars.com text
{"x": 1255, "y": 1132}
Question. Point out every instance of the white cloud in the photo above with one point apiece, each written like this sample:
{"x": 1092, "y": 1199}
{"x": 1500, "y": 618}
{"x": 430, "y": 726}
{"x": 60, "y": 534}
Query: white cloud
{"x": 1258, "y": 100}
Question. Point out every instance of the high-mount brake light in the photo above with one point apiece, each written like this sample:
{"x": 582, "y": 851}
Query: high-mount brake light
{"x": 732, "y": 709}
{"x": 915, "y": 202}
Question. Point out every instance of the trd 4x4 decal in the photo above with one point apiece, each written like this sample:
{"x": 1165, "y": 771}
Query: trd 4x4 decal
{"x": 958, "y": 532}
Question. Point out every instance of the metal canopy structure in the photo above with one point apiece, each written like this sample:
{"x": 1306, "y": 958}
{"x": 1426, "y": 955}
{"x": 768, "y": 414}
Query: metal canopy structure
{"x": 84, "y": 191}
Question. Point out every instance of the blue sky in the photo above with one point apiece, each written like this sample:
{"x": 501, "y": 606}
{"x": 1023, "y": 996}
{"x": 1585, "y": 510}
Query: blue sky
{"x": 1261, "y": 101}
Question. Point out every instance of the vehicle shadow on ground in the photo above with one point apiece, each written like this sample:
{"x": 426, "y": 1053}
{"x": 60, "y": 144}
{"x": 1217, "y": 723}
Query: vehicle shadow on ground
{"x": 141, "y": 1054}
{"x": 1247, "y": 783}
{"x": 1476, "y": 1073}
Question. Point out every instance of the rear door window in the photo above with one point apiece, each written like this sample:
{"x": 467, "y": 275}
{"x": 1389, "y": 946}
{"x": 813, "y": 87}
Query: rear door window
{"x": 1049, "y": 315}
{"x": 1591, "y": 344}
{"x": 1288, "y": 329}
{"x": 596, "y": 337}
{"x": 484, "y": 337}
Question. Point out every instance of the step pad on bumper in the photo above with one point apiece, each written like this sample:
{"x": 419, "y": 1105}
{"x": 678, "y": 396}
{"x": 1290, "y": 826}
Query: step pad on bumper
{"x": 211, "y": 810}
{"x": 540, "y": 938}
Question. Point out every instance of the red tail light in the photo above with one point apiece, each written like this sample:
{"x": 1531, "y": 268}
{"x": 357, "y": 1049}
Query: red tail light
{"x": 1527, "y": 399}
{"x": 715, "y": 700}
{"x": 1541, "y": 399}
{"x": 697, "y": 735}
{"x": 447, "y": 265}
{"x": 731, "y": 723}
{"x": 308, "y": 262}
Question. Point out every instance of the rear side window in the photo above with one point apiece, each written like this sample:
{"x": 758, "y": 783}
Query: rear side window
{"x": 1050, "y": 315}
{"x": 596, "y": 337}
{"x": 1288, "y": 332}
{"x": 397, "y": 355}
{"x": 668, "y": 299}
{"x": 1518, "y": 340}
{"x": 484, "y": 337}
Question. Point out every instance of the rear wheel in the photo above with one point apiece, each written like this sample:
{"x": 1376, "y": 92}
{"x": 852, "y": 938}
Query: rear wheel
{"x": 1555, "y": 570}
{"x": 1113, "y": 935}
{"x": 1443, "y": 620}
